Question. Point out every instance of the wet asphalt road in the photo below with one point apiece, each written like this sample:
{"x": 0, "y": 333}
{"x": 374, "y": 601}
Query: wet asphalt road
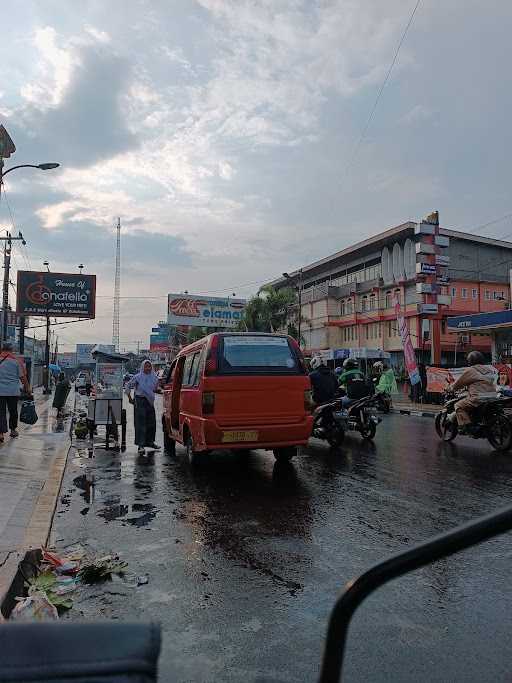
{"x": 245, "y": 558}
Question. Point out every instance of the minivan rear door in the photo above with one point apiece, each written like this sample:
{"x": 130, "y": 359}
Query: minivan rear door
{"x": 259, "y": 379}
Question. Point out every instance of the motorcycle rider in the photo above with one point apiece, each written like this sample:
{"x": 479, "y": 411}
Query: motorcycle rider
{"x": 479, "y": 379}
{"x": 323, "y": 381}
{"x": 352, "y": 378}
{"x": 387, "y": 381}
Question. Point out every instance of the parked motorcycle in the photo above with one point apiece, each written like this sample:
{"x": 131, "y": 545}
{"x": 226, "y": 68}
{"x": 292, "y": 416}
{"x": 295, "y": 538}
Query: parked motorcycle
{"x": 489, "y": 421}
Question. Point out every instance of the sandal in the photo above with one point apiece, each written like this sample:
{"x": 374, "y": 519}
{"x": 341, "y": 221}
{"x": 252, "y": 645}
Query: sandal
{"x": 1, "y": 438}
{"x": 14, "y": 433}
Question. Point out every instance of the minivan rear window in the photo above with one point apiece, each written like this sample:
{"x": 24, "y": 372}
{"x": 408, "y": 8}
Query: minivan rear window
{"x": 257, "y": 355}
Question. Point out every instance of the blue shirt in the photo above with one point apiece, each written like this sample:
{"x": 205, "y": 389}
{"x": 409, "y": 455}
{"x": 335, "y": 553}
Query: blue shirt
{"x": 10, "y": 375}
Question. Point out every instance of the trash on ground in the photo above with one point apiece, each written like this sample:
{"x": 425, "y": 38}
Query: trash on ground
{"x": 142, "y": 580}
{"x": 101, "y": 570}
{"x": 35, "y": 607}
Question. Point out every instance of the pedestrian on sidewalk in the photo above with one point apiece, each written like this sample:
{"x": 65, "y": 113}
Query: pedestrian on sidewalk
{"x": 12, "y": 375}
{"x": 145, "y": 385}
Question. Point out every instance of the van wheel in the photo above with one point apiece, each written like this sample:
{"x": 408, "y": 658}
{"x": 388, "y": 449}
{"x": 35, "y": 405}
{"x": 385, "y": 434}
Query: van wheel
{"x": 193, "y": 456}
{"x": 285, "y": 454}
{"x": 169, "y": 444}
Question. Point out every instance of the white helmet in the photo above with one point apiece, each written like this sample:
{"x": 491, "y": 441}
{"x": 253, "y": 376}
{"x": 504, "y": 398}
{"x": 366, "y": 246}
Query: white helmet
{"x": 316, "y": 362}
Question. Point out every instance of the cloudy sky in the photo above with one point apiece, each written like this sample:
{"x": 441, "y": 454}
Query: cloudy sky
{"x": 226, "y": 134}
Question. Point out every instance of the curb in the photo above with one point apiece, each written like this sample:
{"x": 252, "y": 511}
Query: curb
{"x": 37, "y": 532}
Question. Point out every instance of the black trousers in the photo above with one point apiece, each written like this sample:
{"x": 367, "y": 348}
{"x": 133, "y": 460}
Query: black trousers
{"x": 11, "y": 403}
{"x": 145, "y": 422}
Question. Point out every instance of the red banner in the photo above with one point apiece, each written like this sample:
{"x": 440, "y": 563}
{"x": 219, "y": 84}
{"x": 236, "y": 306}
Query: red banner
{"x": 409, "y": 355}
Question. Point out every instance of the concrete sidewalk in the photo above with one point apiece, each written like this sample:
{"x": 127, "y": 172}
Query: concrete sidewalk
{"x": 31, "y": 469}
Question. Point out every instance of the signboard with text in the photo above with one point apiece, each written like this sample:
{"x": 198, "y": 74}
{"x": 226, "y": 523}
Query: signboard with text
{"x": 83, "y": 354}
{"x": 204, "y": 311}
{"x": 59, "y": 295}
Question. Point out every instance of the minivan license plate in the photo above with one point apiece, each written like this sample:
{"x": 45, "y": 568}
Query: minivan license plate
{"x": 232, "y": 437}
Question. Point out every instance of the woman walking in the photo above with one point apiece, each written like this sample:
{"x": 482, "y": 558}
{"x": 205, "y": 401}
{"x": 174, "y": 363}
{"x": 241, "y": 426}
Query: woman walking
{"x": 145, "y": 384}
{"x": 11, "y": 375}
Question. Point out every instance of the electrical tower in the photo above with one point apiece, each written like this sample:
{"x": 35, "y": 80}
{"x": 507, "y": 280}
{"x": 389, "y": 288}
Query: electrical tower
{"x": 117, "y": 289}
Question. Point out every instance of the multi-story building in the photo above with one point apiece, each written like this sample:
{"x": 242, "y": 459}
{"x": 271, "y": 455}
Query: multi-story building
{"x": 348, "y": 298}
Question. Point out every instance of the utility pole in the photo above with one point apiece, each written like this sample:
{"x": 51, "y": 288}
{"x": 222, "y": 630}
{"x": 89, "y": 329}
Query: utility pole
{"x": 8, "y": 240}
{"x": 117, "y": 289}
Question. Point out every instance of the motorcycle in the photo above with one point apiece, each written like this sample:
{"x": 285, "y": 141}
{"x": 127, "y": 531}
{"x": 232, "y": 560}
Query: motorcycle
{"x": 361, "y": 416}
{"x": 382, "y": 399}
{"x": 488, "y": 421}
{"x": 333, "y": 420}
{"x": 328, "y": 424}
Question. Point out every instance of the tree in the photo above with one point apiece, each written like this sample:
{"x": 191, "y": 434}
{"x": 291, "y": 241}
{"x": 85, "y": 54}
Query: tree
{"x": 195, "y": 334}
{"x": 271, "y": 310}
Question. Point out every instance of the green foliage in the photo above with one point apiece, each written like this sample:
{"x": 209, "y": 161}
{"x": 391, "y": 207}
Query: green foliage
{"x": 270, "y": 310}
{"x": 195, "y": 334}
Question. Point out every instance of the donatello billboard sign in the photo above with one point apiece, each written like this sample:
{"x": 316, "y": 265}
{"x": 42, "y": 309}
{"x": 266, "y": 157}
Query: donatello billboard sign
{"x": 60, "y": 295}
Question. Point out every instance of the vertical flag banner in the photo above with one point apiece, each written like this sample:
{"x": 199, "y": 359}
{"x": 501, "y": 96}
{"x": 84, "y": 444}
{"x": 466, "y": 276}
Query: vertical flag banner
{"x": 409, "y": 355}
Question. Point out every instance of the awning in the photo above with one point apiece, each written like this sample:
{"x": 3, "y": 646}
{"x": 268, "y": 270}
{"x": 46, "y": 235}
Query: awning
{"x": 480, "y": 322}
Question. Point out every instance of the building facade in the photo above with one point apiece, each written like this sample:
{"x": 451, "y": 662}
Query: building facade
{"x": 348, "y": 298}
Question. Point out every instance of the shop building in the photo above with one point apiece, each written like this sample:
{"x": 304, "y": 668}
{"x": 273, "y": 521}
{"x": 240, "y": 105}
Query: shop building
{"x": 348, "y": 298}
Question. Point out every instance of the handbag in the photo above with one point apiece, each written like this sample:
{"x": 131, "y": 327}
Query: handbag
{"x": 28, "y": 414}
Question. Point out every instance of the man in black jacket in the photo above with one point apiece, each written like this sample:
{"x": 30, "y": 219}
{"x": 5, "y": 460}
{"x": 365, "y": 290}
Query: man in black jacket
{"x": 323, "y": 381}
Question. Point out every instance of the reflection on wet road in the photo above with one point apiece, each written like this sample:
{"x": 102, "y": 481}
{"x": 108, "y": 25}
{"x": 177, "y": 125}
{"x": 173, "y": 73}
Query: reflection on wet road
{"x": 245, "y": 557}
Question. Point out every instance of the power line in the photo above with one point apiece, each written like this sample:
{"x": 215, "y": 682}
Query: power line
{"x": 381, "y": 89}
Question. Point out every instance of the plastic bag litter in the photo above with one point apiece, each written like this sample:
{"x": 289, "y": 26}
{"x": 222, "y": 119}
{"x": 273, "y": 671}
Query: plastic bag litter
{"x": 35, "y": 607}
{"x": 28, "y": 414}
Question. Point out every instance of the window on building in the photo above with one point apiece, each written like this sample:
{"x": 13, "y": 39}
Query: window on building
{"x": 454, "y": 292}
{"x": 464, "y": 293}
{"x": 487, "y": 294}
{"x": 444, "y": 290}
{"x": 498, "y": 295}
{"x": 349, "y": 306}
{"x": 474, "y": 294}
{"x": 389, "y": 300}
{"x": 364, "y": 303}
{"x": 343, "y": 307}
{"x": 443, "y": 326}
{"x": 397, "y": 295}
{"x": 373, "y": 302}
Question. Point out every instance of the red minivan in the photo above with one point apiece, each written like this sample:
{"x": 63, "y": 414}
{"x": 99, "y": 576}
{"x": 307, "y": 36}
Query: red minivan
{"x": 238, "y": 390}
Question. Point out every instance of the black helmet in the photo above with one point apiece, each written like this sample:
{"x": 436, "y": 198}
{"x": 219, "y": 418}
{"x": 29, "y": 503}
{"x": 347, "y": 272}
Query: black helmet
{"x": 476, "y": 358}
{"x": 349, "y": 364}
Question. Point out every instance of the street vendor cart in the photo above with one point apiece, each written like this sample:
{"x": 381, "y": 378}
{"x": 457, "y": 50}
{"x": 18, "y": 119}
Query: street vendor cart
{"x": 105, "y": 407}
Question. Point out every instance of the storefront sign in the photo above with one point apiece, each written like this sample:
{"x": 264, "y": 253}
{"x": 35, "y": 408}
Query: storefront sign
{"x": 60, "y": 295}
{"x": 425, "y": 269}
{"x": 409, "y": 355}
{"x": 427, "y": 309}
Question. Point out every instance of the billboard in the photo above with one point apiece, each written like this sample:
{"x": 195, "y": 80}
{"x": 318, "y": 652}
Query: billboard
{"x": 56, "y": 294}
{"x": 204, "y": 311}
{"x": 66, "y": 359}
{"x": 160, "y": 346}
{"x": 83, "y": 354}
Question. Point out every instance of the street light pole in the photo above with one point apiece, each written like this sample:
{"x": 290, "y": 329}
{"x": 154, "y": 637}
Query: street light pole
{"x": 7, "y": 147}
{"x": 47, "y": 389}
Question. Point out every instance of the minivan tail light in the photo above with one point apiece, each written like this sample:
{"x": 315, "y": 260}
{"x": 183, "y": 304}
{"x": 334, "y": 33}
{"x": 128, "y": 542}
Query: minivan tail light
{"x": 211, "y": 358}
{"x": 208, "y": 402}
